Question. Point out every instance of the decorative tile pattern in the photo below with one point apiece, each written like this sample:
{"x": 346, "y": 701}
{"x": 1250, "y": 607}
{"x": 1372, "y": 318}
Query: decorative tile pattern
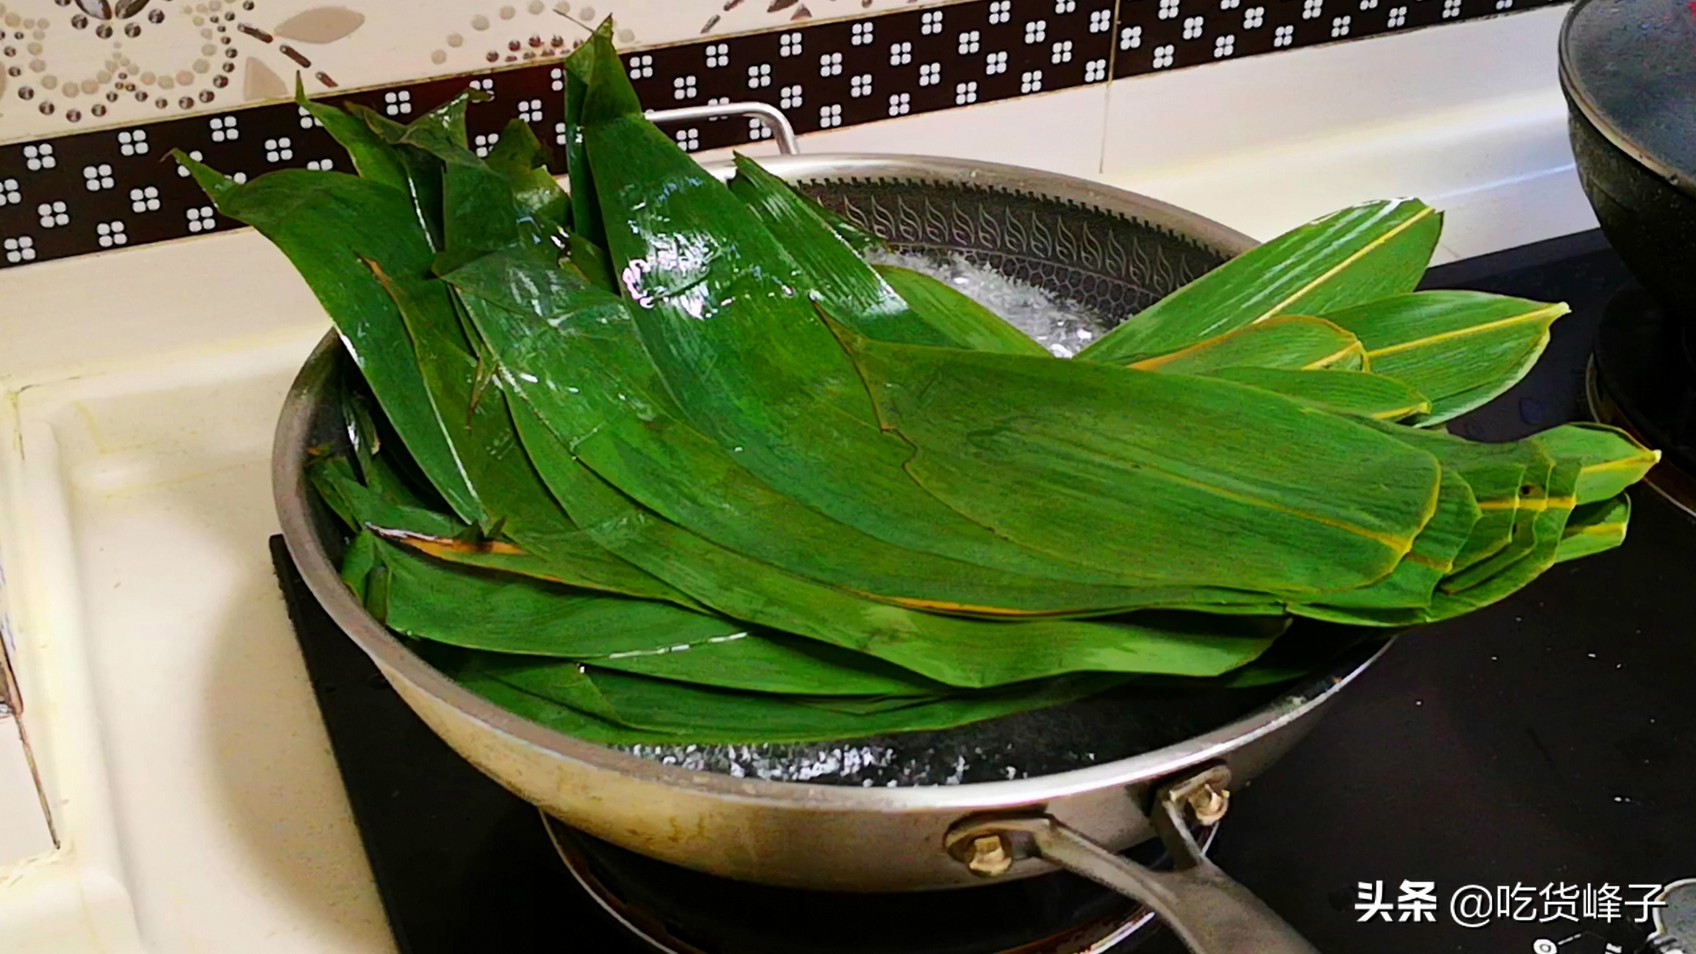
{"x": 101, "y": 190}
{"x": 81, "y": 64}
{"x": 1153, "y": 35}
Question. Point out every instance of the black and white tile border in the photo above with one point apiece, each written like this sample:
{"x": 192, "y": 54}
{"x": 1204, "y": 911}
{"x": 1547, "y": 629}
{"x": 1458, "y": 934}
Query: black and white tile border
{"x": 89, "y": 192}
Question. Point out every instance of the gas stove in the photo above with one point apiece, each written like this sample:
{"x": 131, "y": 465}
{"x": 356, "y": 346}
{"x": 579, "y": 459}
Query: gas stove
{"x": 1524, "y": 767}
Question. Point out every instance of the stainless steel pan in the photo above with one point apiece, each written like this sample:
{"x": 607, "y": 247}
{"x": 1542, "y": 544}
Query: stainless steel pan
{"x": 1099, "y": 775}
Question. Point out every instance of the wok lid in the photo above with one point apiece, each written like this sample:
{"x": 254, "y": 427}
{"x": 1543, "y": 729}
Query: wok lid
{"x": 1629, "y": 67}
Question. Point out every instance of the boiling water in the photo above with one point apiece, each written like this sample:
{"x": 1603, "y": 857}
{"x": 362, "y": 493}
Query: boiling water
{"x": 1062, "y": 326}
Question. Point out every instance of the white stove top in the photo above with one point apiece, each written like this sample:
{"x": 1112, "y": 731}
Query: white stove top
{"x": 194, "y": 802}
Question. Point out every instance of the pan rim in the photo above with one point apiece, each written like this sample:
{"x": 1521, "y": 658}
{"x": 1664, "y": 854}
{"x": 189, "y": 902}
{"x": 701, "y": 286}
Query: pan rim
{"x": 290, "y": 492}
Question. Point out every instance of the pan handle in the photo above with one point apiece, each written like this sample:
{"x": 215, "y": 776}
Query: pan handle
{"x": 1209, "y": 912}
{"x": 783, "y": 133}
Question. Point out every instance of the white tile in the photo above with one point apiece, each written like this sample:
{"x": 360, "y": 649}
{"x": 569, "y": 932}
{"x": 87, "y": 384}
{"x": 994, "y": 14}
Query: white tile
{"x": 1500, "y": 172}
{"x": 1225, "y": 109}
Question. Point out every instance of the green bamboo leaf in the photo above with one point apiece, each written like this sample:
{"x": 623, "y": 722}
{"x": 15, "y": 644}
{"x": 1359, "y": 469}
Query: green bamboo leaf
{"x": 494, "y": 612}
{"x": 623, "y": 425}
{"x": 921, "y": 311}
{"x": 372, "y": 157}
{"x": 522, "y": 159}
{"x": 567, "y": 684}
{"x": 763, "y": 383}
{"x": 1355, "y": 393}
{"x": 1594, "y": 528}
{"x": 1291, "y": 342}
{"x": 1610, "y": 459}
{"x": 1352, "y": 256}
{"x": 952, "y": 317}
{"x": 574, "y": 355}
{"x": 1549, "y": 529}
{"x": 328, "y": 225}
{"x": 329, "y": 489}
{"x": 1413, "y": 582}
{"x": 1498, "y": 475}
{"x": 1534, "y": 498}
{"x": 713, "y": 298}
{"x": 593, "y": 262}
{"x": 481, "y": 431}
{"x": 580, "y": 71}
{"x": 826, "y": 263}
{"x": 1137, "y": 464}
{"x": 423, "y": 172}
{"x": 366, "y": 510}
{"x": 357, "y": 564}
{"x": 1459, "y": 348}
{"x": 958, "y": 651}
{"x": 481, "y": 453}
{"x": 670, "y": 713}
{"x": 383, "y": 464}
{"x": 480, "y": 212}
{"x": 377, "y": 592}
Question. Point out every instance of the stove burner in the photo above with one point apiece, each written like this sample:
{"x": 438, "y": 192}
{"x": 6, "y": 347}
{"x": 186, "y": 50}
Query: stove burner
{"x": 1642, "y": 379}
{"x": 678, "y": 911}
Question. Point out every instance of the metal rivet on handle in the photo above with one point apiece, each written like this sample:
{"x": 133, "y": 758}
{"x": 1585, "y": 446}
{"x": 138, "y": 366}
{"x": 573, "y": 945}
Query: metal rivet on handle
{"x": 990, "y": 856}
{"x": 1210, "y": 804}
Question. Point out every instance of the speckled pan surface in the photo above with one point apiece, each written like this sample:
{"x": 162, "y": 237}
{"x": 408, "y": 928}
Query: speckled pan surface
{"x": 94, "y": 94}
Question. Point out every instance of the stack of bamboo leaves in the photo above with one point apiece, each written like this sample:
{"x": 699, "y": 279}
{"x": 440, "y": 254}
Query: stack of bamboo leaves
{"x": 660, "y": 458}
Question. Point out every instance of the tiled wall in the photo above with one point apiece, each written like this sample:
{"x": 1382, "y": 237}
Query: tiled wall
{"x": 207, "y": 77}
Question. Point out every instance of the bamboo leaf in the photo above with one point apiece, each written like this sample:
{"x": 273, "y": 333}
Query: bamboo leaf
{"x": 1355, "y": 393}
{"x": 581, "y": 69}
{"x": 673, "y": 713}
{"x": 1291, "y": 342}
{"x": 921, "y": 311}
{"x": 423, "y": 172}
{"x": 1499, "y": 475}
{"x": 1610, "y": 459}
{"x": 593, "y": 262}
{"x": 1349, "y": 257}
{"x": 953, "y": 318}
{"x": 762, "y": 383}
{"x": 1549, "y": 529}
{"x": 372, "y": 157}
{"x": 520, "y": 157}
{"x": 493, "y": 612}
{"x": 1136, "y": 464}
{"x": 757, "y": 372}
{"x": 329, "y": 225}
{"x": 969, "y": 653}
{"x": 827, "y": 264}
{"x": 576, "y": 360}
{"x": 357, "y": 564}
{"x": 1594, "y": 528}
{"x": 1534, "y": 498}
{"x": 1413, "y": 582}
{"x": 480, "y": 213}
{"x": 573, "y": 558}
{"x": 1459, "y": 348}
